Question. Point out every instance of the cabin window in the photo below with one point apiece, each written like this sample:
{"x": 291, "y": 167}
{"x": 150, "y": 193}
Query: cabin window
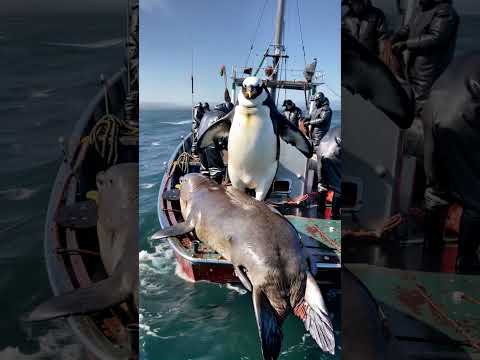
{"x": 351, "y": 194}
{"x": 281, "y": 186}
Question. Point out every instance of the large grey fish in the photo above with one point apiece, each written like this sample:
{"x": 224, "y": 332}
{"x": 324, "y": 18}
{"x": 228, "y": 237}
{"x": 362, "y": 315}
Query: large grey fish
{"x": 266, "y": 252}
{"x": 117, "y": 229}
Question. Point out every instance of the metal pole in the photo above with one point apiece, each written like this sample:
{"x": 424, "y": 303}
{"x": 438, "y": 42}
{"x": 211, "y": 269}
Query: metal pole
{"x": 411, "y": 5}
{"x": 278, "y": 46}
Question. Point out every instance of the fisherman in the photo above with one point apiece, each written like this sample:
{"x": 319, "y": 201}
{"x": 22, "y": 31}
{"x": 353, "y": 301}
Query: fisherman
{"x": 329, "y": 168}
{"x": 197, "y": 115}
{"x": 365, "y": 23}
{"x": 292, "y": 112}
{"x": 452, "y": 159}
{"x": 319, "y": 119}
{"x": 211, "y": 158}
{"x": 430, "y": 38}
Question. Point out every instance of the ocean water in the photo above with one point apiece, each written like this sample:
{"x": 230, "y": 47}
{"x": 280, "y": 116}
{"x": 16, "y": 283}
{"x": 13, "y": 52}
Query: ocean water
{"x": 182, "y": 320}
{"x": 51, "y": 69}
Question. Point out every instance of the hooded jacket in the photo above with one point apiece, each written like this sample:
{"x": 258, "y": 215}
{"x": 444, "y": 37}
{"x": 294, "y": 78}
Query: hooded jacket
{"x": 294, "y": 115}
{"x": 430, "y": 39}
{"x": 321, "y": 117}
{"x": 451, "y": 122}
{"x": 369, "y": 28}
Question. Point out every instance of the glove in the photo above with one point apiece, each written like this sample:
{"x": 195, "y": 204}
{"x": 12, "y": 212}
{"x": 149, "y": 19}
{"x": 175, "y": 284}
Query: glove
{"x": 399, "y": 47}
{"x": 396, "y": 37}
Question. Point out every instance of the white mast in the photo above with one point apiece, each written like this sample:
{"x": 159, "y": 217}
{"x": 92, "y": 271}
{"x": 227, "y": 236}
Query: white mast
{"x": 278, "y": 45}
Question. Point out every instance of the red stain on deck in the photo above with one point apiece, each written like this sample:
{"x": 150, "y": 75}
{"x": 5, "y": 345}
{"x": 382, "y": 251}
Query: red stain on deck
{"x": 313, "y": 230}
{"x": 411, "y": 298}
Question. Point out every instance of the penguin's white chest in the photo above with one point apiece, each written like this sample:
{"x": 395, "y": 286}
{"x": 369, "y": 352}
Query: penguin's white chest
{"x": 252, "y": 145}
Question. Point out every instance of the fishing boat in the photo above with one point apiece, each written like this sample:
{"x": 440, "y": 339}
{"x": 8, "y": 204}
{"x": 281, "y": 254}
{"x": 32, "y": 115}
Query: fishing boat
{"x": 105, "y": 134}
{"x": 293, "y": 193}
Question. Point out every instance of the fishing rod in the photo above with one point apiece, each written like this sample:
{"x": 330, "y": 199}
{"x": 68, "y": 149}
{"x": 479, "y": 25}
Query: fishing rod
{"x": 193, "y": 92}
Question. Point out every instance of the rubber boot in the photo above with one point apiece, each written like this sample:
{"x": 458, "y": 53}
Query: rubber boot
{"x": 217, "y": 176}
{"x": 321, "y": 201}
{"x": 468, "y": 261}
{"x": 336, "y": 206}
{"x": 435, "y": 217}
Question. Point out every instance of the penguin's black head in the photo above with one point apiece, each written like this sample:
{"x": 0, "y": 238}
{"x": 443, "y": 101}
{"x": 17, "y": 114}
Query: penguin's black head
{"x": 251, "y": 87}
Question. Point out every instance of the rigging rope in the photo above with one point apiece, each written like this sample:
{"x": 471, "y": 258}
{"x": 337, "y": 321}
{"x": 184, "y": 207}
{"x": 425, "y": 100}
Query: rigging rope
{"x": 301, "y": 35}
{"x": 256, "y": 32}
{"x": 285, "y": 78}
{"x": 333, "y": 91}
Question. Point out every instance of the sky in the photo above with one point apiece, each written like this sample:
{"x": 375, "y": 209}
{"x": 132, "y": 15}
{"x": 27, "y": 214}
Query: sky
{"x": 220, "y": 32}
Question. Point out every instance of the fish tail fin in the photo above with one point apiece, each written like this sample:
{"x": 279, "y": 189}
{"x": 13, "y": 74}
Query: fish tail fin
{"x": 314, "y": 314}
{"x": 269, "y": 325}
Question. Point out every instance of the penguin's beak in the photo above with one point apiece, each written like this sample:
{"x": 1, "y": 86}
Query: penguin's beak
{"x": 249, "y": 92}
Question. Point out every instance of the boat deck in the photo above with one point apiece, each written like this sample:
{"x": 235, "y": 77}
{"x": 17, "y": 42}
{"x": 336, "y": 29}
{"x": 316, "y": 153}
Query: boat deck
{"x": 438, "y": 311}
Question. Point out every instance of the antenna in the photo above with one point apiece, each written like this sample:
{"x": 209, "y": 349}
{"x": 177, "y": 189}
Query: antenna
{"x": 193, "y": 92}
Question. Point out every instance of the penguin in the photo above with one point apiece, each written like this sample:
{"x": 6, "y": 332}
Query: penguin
{"x": 254, "y": 128}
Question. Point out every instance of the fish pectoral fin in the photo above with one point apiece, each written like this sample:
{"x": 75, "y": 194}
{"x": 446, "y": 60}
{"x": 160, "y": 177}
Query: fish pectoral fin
{"x": 99, "y": 296}
{"x": 293, "y": 136}
{"x": 220, "y": 128}
{"x": 474, "y": 88}
{"x": 365, "y": 74}
{"x": 175, "y": 230}
{"x": 268, "y": 325}
{"x": 314, "y": 314}
{"x": 242, "y": 275}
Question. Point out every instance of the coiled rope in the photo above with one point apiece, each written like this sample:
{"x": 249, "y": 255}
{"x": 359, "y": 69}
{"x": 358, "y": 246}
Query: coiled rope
{"x": 105, "y": 135}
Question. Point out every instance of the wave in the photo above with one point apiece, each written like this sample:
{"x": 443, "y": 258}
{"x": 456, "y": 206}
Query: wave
{"x": 17, "y": 194}
{"x": 237, "y": 288}
{"x": 177, "y": 123}
{"x": 147, "y": 186}
{"x": 93, "y": 45}
{"x": 36, "y": 94}
{"x": 57, "y": 343}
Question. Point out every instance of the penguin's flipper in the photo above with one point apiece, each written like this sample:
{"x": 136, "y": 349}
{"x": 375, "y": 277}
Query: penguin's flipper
{"x": 293, "y": 136}
{"x": 365, "y": 74}
{"x": 219, "y": 129}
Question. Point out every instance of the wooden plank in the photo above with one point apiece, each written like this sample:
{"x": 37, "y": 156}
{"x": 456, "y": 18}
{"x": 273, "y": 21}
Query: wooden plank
{"x": 79, "y": 268}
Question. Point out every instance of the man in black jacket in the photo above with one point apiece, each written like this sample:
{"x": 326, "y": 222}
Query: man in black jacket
{"x": 365, "y": 23}
{"x": 430, "y": 38}
{"x": 292, "y": 112}
{"x": 319, "y": 119}
{"x": 197, "y": 115}
{"x": 452, "y": 161}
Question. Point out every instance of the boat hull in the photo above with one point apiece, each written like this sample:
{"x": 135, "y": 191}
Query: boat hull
{"x": 201, "y": 271}
{"x": 66, "y": 273}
